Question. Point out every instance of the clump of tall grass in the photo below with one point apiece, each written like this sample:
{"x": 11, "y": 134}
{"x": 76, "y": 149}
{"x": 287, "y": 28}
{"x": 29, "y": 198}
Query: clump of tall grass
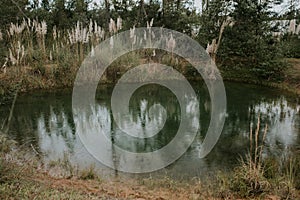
{"x": 28, "y": 37}
{"x": 88, "y": 173}
{"x": 43, "y": 56}
{"x": 22, "y": 37}
{"x": 62, "y": 167}
{"x": 249, "y": 178}
{"x": 288, "y": 175}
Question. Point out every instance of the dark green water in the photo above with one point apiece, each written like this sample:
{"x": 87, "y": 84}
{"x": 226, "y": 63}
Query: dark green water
{"x": 45, "y": 120}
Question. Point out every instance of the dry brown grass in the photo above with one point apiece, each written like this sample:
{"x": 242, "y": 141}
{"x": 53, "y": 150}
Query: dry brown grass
{"x": 293, "y": 74}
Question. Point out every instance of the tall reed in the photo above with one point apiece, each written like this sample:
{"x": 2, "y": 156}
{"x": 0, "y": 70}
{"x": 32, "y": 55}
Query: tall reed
{"x": 249, "y": 178}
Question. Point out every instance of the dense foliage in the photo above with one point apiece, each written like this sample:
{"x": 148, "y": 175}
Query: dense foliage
{"x": 241, "y": 29}
{"x": 249, "y": 43}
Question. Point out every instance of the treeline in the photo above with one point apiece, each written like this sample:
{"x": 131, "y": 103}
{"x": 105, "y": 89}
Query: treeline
{"x": 177, "y": 15}
{"x": 242, "y": 36}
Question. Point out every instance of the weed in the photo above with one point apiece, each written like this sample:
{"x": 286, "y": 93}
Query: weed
{"x": 249, "y": 178}
{"x": 88, "y": 173}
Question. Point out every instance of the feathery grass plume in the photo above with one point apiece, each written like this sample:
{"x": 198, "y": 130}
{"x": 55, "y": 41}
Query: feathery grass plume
{"x": 292, "y": 27}
{"x": 112, "y": 26}
{"x": 71, "y": 36}
{"x": 132, "y": 32}
{"x": 134, "y": 40}
{"x": 16, "y": 35}
{"x": 145, "y": 35}
{"x": 111, "y": 42}
{"x": 132, "y": 36}
{"x": 41, "y": 31}
{"x": 141, "y": 41}
{"x": 76, "y": 32}
{"x": 249, "y": 178}
{"x": 151, "y": 33}
{"x": 84, "y": 35}
{"x": 16, "y": 28}
{"x": 42, "y": 28}
{"x": 58, "y": 34}
{"x": 91, "y": 27}
{"x": 29, "y": 22}
{"x": 12, "y": 59}
{"x": 16, "y": 53}
{"x": 149, "y": 25}
{"x": 95, "y": 26}
{"x": 54, "y": 33}
{"x": 208, "y": 48}
{"x": 28, "y": 37}
{"x": 93, "y": 51}
{"x": 91, "y": 32}
{"x": 1, "y": 35}
{"x": 101, "y": 32}
{"x": 211, "y": 48}
{"x": 119, "y": 23}
{"x": 151, "y": 22}
{"x": 298, "y": 30}
{"x": 33, "y": 25}
{"x": 97, "y": 30}
{"x": 78, "y": 36}
{"x": 50, "y": 56}
{"x": 55, "y": 44}
{"x": 171, "y": 44}
{"x": 4, "y": 66}
{"x": 22, "y": 53}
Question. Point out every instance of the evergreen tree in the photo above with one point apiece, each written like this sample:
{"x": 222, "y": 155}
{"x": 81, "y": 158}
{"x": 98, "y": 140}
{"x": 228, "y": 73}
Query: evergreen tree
{"x": 12, "y": 11}
{"x": 249, "y": 44}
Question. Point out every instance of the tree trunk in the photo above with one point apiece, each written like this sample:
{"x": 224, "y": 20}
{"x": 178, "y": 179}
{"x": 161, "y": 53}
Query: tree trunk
{"x": 107, "y": 5}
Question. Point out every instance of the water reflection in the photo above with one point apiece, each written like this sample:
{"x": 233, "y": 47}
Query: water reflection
{"x": 136, "y": 149}
{"x": 283, "y": 121}
{"x": 46, "y": 121}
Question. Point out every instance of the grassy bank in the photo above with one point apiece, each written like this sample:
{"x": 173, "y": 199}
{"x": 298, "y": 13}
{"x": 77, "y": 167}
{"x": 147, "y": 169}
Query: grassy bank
{"x": 290, "y": 82}
{"x": 55, "y": 77}
{"x": 24, "y": 176}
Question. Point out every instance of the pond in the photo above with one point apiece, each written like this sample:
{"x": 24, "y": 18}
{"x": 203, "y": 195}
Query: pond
{"x": 45, "y": 121}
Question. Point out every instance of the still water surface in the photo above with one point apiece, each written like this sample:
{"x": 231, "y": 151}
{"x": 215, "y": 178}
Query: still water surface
{"x": 45, "y": 120}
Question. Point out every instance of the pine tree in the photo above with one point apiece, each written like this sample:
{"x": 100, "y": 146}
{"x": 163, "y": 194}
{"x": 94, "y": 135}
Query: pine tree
{"x": 249, "y": 45}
